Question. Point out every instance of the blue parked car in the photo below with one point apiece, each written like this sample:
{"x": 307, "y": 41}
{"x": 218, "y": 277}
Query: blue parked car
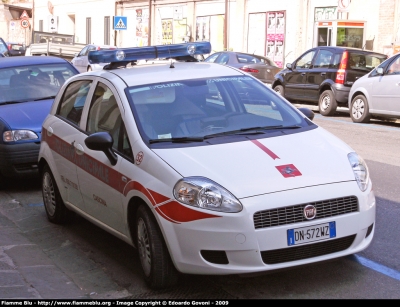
{"x": 28, "y": 86}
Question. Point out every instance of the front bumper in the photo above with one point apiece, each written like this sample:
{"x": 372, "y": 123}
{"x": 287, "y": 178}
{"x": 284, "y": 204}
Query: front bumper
{"x": 19, "y": 160}
{"x": 230, "y": 244}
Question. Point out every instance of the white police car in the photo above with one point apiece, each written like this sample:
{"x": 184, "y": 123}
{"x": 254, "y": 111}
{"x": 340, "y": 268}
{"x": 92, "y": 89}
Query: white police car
{"x": 201, "y": 167}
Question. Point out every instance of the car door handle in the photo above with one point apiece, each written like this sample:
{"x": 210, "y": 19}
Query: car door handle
{"x": 398, "y": 84}
{"x": 79, "y": 149}
{"x": 323, "y": 73}
{"x": 303, "y": 73}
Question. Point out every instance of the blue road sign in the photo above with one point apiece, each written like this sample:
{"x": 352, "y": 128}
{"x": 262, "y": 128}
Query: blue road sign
{"x": 120, "y": 22}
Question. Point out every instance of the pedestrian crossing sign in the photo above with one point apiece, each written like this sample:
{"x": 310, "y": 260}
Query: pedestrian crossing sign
{"x": 120, "y": 22}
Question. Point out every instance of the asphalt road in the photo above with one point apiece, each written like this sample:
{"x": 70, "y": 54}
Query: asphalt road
{"x": 94, "y": 264}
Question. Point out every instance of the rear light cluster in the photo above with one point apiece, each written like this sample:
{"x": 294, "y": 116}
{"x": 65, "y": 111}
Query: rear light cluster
{"x": 341, "y": 73}
{"x": 248, "y": 69}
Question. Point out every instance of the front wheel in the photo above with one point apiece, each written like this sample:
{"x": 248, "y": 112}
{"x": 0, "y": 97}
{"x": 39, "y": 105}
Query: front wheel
{"x": 158, "y": 269}
{"x": 359, "y": 110}
{"x": 327, "y": 103}
{"x": 280, "y": 90}
{"x": 55, "y": 208}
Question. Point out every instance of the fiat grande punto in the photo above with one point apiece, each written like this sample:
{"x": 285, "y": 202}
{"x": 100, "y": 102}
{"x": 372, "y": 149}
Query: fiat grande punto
{"x": 201, "y": 167}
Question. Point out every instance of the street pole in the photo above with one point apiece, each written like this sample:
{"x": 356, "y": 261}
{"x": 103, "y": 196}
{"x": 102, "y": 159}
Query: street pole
{"x": 149, "y": 26}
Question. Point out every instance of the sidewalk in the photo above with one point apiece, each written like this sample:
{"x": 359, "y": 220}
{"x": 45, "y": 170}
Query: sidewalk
{"x": 26, "y": 272}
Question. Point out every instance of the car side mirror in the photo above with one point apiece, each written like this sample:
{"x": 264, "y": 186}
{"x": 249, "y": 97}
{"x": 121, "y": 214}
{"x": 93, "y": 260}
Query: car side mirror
{"x": 379, "y": 71}
{"x": 307, "y": 112}
{"x": 289, "y": 66}
{"x": 102, "y": 141}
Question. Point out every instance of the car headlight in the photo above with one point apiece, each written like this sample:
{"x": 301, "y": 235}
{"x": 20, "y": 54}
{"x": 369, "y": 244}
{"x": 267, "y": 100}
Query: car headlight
{"x": 360, "y": 170}
{"x": 19, "y": 135}
{"x": 203, "y": 193}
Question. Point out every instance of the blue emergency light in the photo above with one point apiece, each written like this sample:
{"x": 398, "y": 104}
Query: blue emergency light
{"x": 150, "y": 52}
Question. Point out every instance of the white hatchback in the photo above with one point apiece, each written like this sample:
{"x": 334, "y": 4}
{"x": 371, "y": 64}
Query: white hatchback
{"x": 377, "y": 94}
{"x": 201, "y": 167}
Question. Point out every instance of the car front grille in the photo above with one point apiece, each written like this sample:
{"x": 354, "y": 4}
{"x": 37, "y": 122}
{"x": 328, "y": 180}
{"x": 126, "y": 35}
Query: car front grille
{"x": 307, "y": 251}
{"x": 294, "y": 214}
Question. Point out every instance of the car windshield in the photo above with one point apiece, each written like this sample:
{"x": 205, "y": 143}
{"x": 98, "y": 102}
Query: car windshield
{"x": 35, "y": 82}
{"x": 193, "y": 110}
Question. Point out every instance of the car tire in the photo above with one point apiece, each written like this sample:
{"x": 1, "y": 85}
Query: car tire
{"x": 89, "y": 68}
{"x": 280, "y": 90}
{"x": 359, "y": 110}
{"x": 158, "y": 269}
{"x": 54, "y": 205}
{"x": 327, "y": 103}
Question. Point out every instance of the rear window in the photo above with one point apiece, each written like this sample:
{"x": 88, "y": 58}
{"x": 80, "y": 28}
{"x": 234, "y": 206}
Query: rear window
{"x": 364, "y": 62}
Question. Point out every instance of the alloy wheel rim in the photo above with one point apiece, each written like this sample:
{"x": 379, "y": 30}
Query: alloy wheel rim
{"x": 49, "y": 194}
{"x": 144, "y": 247}
{"x": 358, "y": 108}
{"x": 326, "y": 101}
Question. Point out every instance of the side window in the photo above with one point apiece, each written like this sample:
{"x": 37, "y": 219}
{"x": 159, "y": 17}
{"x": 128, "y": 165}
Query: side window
{"x": 323, "y": 59}
{"x": 73, "y": 100}
{"x": 212, "y": 58}
{"x": 223, "y": 59}
{"x": 104, "y": 114}
{"x": 305, "y": 60}
{"x": 83, "y": 51}
{"x": 336, "y": 60}
{"x": 394, "y": 68}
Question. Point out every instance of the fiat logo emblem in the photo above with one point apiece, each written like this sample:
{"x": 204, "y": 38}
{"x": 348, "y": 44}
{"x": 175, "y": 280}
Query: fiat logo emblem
{"x": 309, "y": 212}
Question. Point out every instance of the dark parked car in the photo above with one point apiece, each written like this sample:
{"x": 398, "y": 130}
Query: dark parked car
{"x": 3, "y": 48}
{"x": 16, "y": 49}
{"x": 258, "y": 66}
{"x": 28, "y": 86}
{"x": 324, "y": 75}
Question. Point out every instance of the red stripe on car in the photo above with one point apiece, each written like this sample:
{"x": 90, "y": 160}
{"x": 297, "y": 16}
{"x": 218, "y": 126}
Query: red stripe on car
{"x": 265, "y": 149}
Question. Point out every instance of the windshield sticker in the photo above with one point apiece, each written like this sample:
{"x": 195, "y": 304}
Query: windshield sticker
{"x": 230, "y": 79}
{"x": 165, "y": 136}
{"x": 165, "y": 85}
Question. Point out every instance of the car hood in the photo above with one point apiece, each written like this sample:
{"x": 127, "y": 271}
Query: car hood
{"x": 26, "y": 115}
{"x": 256, "y": 167}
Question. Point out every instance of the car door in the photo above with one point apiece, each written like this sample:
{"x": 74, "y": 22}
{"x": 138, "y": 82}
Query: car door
{"x": 61, "y": 135}
{"x": 317, "y": 73}
{"x": 295, "y": 80}
{"x": 386, "y": 90}
{"x": 100, "y": 181}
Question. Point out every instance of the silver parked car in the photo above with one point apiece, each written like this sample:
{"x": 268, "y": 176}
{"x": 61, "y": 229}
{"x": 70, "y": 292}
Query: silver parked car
{"x": 260, "y": 67}
{"x": 80, "y": 61}
{"x": 377, "y": 94}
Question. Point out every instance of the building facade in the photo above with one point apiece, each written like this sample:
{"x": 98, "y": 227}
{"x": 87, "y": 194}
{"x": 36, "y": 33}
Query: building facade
{"x": 282, "y": 30}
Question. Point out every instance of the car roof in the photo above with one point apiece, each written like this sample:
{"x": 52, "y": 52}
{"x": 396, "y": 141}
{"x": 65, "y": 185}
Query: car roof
{"x": 349, "y": 49}
{"x": 29, "y": 60}
{"x": 155, "y": 73}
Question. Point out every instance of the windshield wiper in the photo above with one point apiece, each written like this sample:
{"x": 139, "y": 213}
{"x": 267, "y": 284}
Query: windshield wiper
{"x": 251, "y": 130}
{"x": 12, "y": 101}
{"x": 177, "y": 140}
{"x": 44, "y": 98}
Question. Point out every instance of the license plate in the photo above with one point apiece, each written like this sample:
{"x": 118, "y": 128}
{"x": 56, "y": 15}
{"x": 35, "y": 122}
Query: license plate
{"x": 311, "y": 233}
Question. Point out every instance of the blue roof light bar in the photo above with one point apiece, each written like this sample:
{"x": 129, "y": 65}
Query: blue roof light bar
{"x": 149, "y": 52}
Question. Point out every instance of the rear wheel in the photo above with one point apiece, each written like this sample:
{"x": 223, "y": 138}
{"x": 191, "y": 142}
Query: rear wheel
{"x": 55, "y": 208}
{"x": 158, "y": 269}
{"x": 280, "y": 90}
{"x": 327, "y": 103}
{"x": 359, "y": 111}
